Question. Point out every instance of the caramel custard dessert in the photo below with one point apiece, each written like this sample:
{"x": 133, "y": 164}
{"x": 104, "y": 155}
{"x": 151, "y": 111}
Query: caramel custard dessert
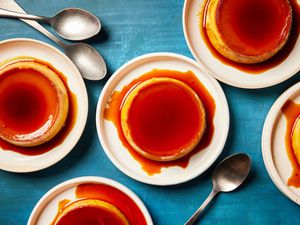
{"x": 291, "y": 111}
{"x": 98, "y": 204}
{"x": 248, "y": 31}
{"x": 33, "y": 102}
{"x": 115, "y": 106}
{"x": 296, "y": 140}
{"x": 163, "y": 119}
{"x": 91, "y": 212}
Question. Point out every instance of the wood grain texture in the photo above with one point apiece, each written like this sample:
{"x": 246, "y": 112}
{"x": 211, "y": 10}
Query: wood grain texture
{"x": 132, "y": 28}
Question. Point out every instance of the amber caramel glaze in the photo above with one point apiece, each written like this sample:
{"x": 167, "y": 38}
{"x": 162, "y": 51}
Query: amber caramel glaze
{"x": 24, "y": 107}
{"x": 163, "y": 119}
{"x": 112, "y": 113}
{"x": 90, "y": 212}
{"x": 62, "y": 134}
{"x": 110, "y": 195}
{"x": 62, "y": 204}
{"x": 115, "y": 197}
{"x": 258, "y": 67}
{"x": 291, "y": 111}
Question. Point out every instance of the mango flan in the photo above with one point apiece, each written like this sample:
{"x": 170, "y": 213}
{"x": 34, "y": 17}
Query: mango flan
{"x": 296, "y": 140}
{"x": 33, "y": 102}
{"x": 163, "y": 119}
{"x": 248, "y": 31}
{"x": 91, "y": 212}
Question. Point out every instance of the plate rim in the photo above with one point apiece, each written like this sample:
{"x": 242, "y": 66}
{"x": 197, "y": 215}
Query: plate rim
{"x": 233, "y": 83}
{"x": 149, "y": 180}
{"x": 67, "y": 184}
{"x": 84, "y": 113}
{"x": 266, "y": 143}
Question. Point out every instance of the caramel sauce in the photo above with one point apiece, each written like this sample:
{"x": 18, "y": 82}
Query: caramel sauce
{"x": 105, "y": 193}
{"x": 159, "y": 112}
{"x": 90, "y": 215}
{"x": 24, "y": 106}
{"x": 31, "y": 112}
{"x": 291, "y": 111}
{"x": 254, "y": 32}
{"x": 112, "y": 113}
{"x": 62, "y": 204}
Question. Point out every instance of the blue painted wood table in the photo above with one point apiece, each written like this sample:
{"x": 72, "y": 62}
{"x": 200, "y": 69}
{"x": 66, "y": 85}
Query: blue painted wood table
{"x": 132, "y": 28}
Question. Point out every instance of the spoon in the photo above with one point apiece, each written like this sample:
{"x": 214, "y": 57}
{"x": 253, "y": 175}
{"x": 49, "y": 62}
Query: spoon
{"x": 71, "y": 24}
{"x": 227, "y": 176}
{"x": 88, "y": 61}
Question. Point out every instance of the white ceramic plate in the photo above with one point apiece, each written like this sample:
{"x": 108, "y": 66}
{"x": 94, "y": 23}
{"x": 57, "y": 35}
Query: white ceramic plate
{"x": 120, "y": 156}
{"x": 273, "y": 145}
{"x": 226, "y": 73}
{"x": 15, "y": 162}
{"x": 45, "y": 210}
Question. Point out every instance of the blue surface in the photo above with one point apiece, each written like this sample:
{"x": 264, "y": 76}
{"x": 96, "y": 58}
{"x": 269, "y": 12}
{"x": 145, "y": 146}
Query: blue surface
{"x": 132, "y": 28}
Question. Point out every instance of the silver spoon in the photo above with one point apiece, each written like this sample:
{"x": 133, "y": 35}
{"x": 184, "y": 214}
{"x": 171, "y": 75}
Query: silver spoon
{"x": 88, "y": 61}
{"x": 227, "y": 176}
{"x": 71, "y": 24}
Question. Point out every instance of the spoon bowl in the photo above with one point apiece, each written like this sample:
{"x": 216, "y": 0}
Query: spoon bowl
{"x": 75, "y": 24}
{"x": 231, "y": 172}
{"x": 88, "y": 61}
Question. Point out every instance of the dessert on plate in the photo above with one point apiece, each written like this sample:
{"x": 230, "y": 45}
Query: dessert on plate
{"x": 163, "y": 118}
{"x": 92, "y": 212}
{"x": 96, "y": 204}
{"x": 34, "y": 102}
{"x": 247, "y": 31}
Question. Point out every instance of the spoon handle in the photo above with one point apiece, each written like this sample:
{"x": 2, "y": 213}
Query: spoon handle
{"x": 12, "y": 14}
{"x": 196, "y": 215}
{"x": 12, "y": 5}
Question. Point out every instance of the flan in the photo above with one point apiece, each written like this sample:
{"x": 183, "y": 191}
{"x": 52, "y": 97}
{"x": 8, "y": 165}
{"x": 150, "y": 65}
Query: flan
{"x": 163, "y": 119}
{"x": 248, "y": 31}
{"x": 91, "y": 212}
{"x": 296, "y": 140}
{"x": 33, "y": 102}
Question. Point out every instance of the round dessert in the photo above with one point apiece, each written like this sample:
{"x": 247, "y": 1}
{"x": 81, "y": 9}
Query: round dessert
{"x": 163, "y": 119}
{"x": 91, "y": 212}
{"x": 248, "y": 31}
{"x": 33, "y": 102}
{"x": 296, "y": 140}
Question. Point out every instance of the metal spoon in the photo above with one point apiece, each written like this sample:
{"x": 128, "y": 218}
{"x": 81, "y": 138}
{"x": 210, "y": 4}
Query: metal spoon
{"x": 88, "y": 61}
{"x": 227, "y": 176}
{"x": 72, "y": 23}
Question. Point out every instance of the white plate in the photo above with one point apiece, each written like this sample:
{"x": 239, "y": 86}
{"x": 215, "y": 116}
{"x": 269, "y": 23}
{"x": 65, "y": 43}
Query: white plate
{"x": 45, "y": 210}
{"x": 15, "y": 162}
{"x": 227, "y": 73}
{"x": 120, "y": 156}
{"x": 273, "y": 145}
